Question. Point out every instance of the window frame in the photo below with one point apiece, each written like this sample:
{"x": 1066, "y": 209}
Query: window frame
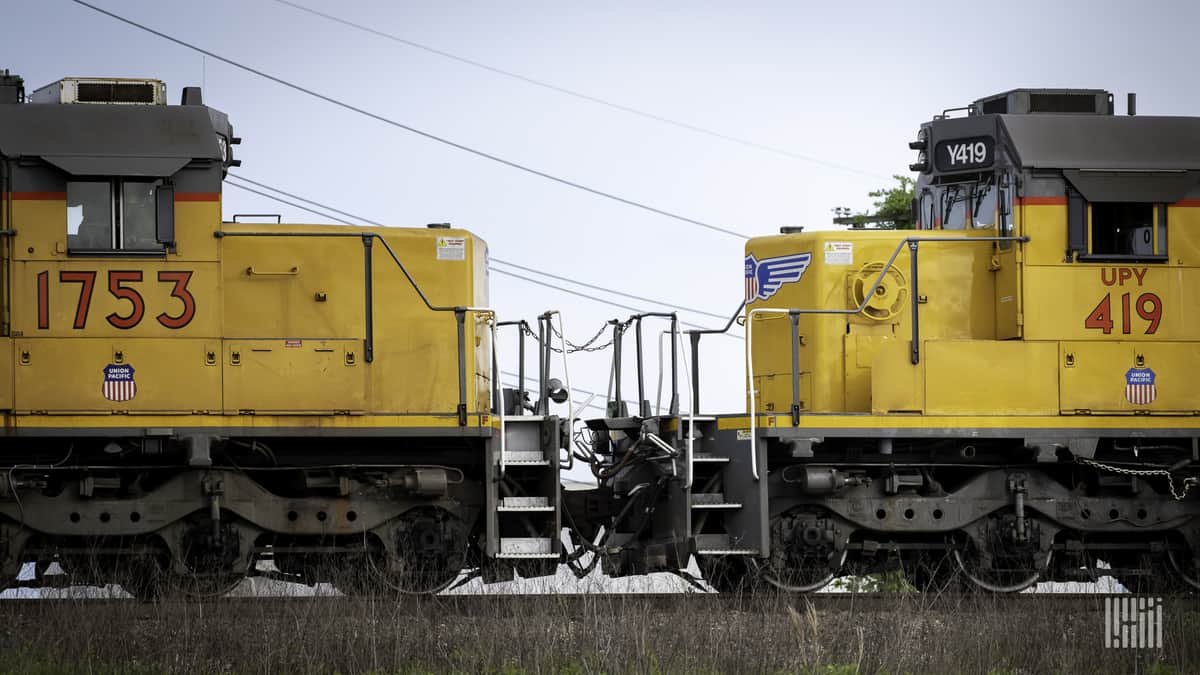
{"x": 1080, "y": 233}
{"x": 163, "y": 209}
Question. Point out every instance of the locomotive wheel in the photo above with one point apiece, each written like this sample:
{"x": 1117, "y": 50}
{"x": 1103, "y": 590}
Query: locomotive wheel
{"x": 805, "y": 573}
{"x": 805, "y": 553}
{"x": 430, "y": 549}
{"x": 1009, "y": 574}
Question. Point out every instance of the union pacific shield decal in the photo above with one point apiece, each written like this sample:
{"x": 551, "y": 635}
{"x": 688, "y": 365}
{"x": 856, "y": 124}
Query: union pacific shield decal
{"x": 765, "y": 277}
{"x": 1139, "y": 386}
{"x": 118, "y": 383}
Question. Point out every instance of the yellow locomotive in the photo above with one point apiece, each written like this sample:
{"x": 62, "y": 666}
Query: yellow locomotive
{"x": 1007, "y": 394}
{"x": 188, "y": 401}
{"x": 1002, "y": 396}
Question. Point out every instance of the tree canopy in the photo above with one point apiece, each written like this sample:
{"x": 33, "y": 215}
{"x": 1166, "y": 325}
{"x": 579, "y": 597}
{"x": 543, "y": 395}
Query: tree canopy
{"x": 893, "y": 206}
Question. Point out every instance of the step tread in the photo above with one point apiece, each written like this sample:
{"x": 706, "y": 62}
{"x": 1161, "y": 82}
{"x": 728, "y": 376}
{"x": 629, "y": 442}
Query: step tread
{"x": 719, "y": 544}
{"x": 526, "y": 547}
{"x": 525, "y": 504}
{"x": 525, "y": 457}
{"x": 708, "y": 457}
{"x": 712, "y": 500}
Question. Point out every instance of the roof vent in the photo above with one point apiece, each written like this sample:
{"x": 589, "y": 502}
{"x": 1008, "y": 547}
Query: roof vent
{"x": 791, "y": 229}
{"x": 108, "y": 91}
{"x": 438, "y": 226}
{"x": 1052, "y": 101}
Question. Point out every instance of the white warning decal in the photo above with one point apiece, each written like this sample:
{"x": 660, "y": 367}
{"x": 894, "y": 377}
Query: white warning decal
{"x": 452, "y": 248}
{"x": 839, "y": 253}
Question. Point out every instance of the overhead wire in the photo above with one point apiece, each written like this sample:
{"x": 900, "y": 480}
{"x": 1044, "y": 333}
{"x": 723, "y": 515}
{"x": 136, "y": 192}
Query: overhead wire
{"x": 493, "y": 259}
{"x": 411, "y": 129}
{"x": 580, "y": 95}
{"x": 235, "y": 179}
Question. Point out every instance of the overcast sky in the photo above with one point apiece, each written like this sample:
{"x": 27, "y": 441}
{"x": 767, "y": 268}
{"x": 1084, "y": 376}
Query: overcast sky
{"x": 842, "y": 83}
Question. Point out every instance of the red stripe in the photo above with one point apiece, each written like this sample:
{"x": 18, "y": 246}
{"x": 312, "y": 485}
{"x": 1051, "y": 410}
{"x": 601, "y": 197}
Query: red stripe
{"x": 38, "y": 195}
{"x": 1041, "y": 201}
{"x": 1187, "y": 202}
{"x": 197, "y": 196}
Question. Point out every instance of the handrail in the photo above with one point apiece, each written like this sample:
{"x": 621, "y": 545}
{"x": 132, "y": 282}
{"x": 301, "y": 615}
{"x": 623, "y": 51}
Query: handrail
{"x": 562, "y": 336}
{"x": 522, "y": 329}
{"x": 694, "y": 339}
{"x": 643, "y": 407}
{"x": 911, "y": 243}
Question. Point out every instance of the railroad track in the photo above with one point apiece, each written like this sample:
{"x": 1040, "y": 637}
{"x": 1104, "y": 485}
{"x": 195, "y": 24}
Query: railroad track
{"x": 527, "y": 604}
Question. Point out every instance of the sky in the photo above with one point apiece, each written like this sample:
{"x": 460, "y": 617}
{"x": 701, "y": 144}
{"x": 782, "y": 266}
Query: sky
{"x": 840, "y": 88}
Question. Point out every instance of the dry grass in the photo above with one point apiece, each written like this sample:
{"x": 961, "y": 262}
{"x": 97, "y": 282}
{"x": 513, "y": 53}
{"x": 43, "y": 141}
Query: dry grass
{"x": 596, "y": 634}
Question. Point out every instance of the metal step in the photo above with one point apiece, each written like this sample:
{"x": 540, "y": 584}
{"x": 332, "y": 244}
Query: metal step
{"x": 698, "y": 418}
{"x": 509, "y": 419}
{"x": 718, "y": 544}
{"x": 708, "y": 457}
{"x": 526, "y": 547}
{"x": 525, "y": 504}
{"x": 525, "y": 458}
{"x": 712, "y": 500}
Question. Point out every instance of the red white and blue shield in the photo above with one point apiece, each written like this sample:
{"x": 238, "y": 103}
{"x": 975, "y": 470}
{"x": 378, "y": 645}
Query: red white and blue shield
{"x": 1139, "y": 386}
{"x": 118, "y": 383}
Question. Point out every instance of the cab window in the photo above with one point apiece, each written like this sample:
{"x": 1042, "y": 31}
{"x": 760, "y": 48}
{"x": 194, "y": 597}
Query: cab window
{"x": 1127, "y": 229}
{"x": 113, "y": 215}
{"x": 927, "y": 210}
{"x": 954, "y": 206}
{"x": 983, "y": 204}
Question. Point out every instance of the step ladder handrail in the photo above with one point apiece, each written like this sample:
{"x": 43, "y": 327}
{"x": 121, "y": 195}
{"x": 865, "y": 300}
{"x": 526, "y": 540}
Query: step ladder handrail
{"x": 562, "y": 343}
{"x": 662, "y": 445}
{"x": 498, "y": 405}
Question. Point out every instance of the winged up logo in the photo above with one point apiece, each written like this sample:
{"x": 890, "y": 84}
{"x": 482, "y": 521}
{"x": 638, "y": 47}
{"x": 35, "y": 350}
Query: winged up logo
{"x": 765, "y": 277}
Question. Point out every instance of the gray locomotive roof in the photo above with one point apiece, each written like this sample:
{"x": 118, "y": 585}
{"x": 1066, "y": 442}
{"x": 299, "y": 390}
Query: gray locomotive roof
{"x": 1104, "y": 141}
{"x": 109, "y": 139}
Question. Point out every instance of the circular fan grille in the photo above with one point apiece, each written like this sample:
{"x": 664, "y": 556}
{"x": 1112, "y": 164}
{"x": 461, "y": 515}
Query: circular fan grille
{"x": 889, "y": 297}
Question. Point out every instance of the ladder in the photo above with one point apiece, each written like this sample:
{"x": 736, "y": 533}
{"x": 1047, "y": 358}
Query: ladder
{"x": 523, "y": 514}
{"x": 727, "y": 507}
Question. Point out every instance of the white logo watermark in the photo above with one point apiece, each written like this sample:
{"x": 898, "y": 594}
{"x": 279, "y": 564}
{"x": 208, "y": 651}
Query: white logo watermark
{"x": 1132, "y": 622}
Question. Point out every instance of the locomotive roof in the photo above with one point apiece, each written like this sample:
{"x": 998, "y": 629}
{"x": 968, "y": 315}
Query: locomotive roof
{"x": 1104, "y": 141}
{"x": 112, "y": 140}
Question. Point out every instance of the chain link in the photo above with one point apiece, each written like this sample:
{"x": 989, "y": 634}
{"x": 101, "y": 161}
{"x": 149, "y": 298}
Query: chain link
{"x": 588, "y": 346}
{"x": 1187, "y": 482}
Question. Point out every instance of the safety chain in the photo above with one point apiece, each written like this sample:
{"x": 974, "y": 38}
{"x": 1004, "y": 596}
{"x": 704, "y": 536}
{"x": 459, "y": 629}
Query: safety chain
{"x": 588, "y": 346}
{"x": 1187, "y": 482}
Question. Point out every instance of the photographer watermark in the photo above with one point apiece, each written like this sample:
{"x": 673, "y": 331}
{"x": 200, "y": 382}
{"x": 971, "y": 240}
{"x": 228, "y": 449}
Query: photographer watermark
{"x": 1132, "y": 622}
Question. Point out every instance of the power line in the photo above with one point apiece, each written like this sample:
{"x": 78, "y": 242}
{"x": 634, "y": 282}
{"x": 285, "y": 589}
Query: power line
{"x": 400, "y": 125}
{"x": 231, "y": 178}
{"x": 609, "y": 290}
{"x": 580, "y": 95}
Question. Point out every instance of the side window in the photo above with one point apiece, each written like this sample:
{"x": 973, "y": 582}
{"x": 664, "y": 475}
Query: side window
{"x": 137, "y": 216}
{"x": 983, "y": 205}
{"x": 114, "y": 215}
{"x": 90, "y": 216}
{"x": 954, "y": 207}
{"x": 1128, "y": 229}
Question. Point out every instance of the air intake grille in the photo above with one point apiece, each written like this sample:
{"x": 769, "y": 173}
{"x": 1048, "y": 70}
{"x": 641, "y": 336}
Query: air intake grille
{"x": 996, "y": 106}
{"x": 1062, "y": 103}
{"x": 114, "y": 92}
